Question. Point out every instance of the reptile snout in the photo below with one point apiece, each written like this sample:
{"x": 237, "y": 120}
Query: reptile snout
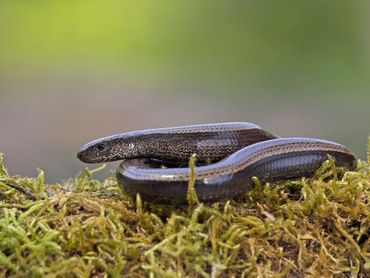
{"x": 81, "y": 156}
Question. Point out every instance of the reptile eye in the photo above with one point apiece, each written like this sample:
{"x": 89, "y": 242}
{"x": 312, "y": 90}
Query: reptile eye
{"x": 100, "y": 147}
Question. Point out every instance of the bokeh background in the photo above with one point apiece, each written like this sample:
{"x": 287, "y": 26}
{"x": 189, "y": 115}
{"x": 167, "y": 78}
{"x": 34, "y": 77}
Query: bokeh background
{"x": 73, "y": 71}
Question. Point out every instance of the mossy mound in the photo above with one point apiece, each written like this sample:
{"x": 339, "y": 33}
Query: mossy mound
{"x": 310, "y": 227}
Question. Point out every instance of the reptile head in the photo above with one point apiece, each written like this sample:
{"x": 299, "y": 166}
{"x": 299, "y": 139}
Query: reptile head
{"x": 101, "y": 150}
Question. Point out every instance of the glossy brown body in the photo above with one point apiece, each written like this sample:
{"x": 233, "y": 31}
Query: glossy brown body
{"x": 210, "y": 142}
{"x": 245, "y": 149}
{"x": 270, "y": 161}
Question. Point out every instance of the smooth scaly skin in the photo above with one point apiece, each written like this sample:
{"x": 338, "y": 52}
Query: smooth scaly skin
{"x": 270, "y": 161}
{"x": 210, "y": 142}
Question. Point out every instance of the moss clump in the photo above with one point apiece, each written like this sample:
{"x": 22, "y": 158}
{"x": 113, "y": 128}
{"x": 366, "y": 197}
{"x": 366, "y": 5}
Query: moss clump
{"x": 309, "y": 227}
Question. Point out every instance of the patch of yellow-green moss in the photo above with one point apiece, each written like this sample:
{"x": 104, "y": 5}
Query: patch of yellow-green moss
{"x": 310, "y": 227}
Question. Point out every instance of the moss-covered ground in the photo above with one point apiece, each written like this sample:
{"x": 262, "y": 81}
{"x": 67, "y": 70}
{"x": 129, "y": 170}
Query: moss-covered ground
{"x": 315, "y": 227}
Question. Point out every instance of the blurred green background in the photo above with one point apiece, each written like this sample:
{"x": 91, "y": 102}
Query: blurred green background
{"x": 73, "y": 71}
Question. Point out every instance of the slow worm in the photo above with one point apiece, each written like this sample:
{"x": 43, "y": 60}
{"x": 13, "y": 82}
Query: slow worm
{"x": 238, "y": 151}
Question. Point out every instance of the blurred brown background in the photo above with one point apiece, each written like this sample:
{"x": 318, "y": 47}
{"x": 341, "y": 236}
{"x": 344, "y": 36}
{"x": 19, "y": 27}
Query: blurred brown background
{"x": 73, "y": 71}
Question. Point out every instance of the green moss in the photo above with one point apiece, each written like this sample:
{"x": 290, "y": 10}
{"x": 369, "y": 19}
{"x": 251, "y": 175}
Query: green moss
{"x": 309, "y": 227}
